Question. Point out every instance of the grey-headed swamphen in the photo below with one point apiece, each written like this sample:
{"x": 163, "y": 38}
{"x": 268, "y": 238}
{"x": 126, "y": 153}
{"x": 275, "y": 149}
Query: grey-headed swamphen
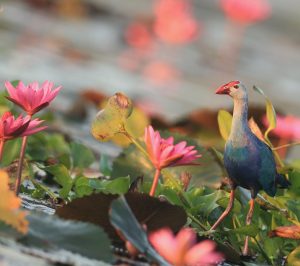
{"x": 249, "y": 161}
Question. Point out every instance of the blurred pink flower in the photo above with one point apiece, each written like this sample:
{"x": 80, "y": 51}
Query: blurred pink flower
{"x": 11, "y": 127}
{"x": 161, "y": 73}
{"x": 32, "y": 98}
{"x": 138, "y": 35}
{"x": 288, "y": 127}
{"x": 174, "y": 21}
{"x": 163, "y": 153}
{"x": 246, "y": 11}
{"x": 182, "y": 250}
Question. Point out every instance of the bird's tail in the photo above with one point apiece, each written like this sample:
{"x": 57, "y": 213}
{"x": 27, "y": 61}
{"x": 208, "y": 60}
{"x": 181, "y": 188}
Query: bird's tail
{"x": 282, "y": 181}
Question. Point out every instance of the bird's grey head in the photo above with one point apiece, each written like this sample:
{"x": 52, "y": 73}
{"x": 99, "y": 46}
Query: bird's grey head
{"x": 235, "y": 89}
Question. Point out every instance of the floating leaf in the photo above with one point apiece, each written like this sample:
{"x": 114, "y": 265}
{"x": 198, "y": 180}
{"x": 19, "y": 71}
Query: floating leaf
{"x": 270, "y": 112}
{"x": 148, "y": 210}
{"x": 51, "y": 232}
{"x": 82, "y": 156}
{"x": 111, "y": 119}
{"x": 122, "y": 218}
{"x": 224, "y": 121}
{"x": 9, "y": 206}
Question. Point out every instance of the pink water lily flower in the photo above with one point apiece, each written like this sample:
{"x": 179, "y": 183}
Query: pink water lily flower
{"x": 32, "y": 98}
{"x": 11, "y": 127}
{"x": 164, "y": 153}
{"x": 182, "y": 249}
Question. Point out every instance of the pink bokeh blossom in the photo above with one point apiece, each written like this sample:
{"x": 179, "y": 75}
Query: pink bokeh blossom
{"x": 174, "y": 22}
{"x": 288, "y": 127}
{"x": 182, "y": 249}
{"x": 246, "y": 11}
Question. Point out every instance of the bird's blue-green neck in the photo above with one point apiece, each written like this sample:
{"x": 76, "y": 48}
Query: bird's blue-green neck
{"x": 240, "y": 120}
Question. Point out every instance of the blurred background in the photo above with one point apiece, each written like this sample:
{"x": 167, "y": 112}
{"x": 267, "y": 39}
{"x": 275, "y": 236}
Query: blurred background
{"x": 168, "y": 55}
{"x": 112, "y": 46}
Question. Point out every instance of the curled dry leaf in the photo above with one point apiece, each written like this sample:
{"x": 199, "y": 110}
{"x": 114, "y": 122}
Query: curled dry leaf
{"x": 110, "y": 120}
{"x": 9, "y": 206}
{"x": 292, "y": 232}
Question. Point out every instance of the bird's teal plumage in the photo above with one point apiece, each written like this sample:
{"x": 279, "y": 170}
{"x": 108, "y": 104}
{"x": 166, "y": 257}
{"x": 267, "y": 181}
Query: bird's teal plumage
{"x": 249, "y": 161}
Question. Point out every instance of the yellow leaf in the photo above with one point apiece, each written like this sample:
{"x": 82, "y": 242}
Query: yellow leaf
{"x": 9, "y": 206}
{"x": 134, "y": 125}
{"x": 111, "y": 119}
{"x": 293, "y": 258}
{"x": 255, "y": 129}
{"x": 270, "y": 112}
{"x": 224, "y": 121}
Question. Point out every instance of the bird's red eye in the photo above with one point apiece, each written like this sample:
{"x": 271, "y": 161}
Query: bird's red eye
{"x": 236, "y": 86}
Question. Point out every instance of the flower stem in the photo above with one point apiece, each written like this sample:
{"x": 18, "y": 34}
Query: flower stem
{"x": 20, "y": 165}
{"x": 155, "y": 182}
{"x": 1, "y": 149}
{"x": 285, "y": 146}
{"x": 196, "y": 221}
{"x": 134, "y": 141}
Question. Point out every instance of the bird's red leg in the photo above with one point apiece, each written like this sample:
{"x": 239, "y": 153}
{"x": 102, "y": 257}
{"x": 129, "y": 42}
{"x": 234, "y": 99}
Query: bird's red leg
{"x": 248, "y": 221}
{"x": 226, "y": 212}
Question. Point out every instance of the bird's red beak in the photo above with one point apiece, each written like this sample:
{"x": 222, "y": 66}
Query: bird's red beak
{"x": 223, "y": 90}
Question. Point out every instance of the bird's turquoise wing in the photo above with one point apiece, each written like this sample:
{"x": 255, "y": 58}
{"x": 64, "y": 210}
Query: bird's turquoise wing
{"x": 267, "y": 170}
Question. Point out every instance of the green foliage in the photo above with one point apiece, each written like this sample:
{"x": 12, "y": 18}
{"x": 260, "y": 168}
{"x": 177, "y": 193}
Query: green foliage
{"x": 66, "y": 164}
{"x": 119, "y": 185}
{"x": 249, "y": 230}
{"x": 43, "y": 146}
{"x": 82, "y": 186}
{"x": 62, "y": 177}
{"x": 82, "y": 157}
{"x": 11, "y": 151}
